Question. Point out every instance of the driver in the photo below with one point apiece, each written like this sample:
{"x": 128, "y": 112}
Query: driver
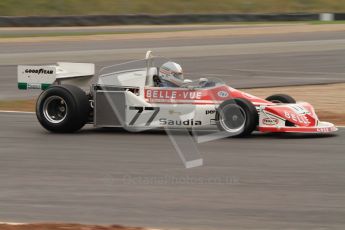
{"x": 170, "y": 75}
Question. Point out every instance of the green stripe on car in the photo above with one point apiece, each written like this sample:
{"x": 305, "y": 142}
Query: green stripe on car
{"x": 24, "y": 86}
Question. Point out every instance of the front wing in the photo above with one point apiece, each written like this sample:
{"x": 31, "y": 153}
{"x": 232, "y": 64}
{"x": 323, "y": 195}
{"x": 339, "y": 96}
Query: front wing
{"x": 296, "y": 118}
{"x": 323, "y": 127}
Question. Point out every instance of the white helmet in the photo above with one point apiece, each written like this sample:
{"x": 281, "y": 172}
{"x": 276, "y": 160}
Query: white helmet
{"x": 171, "y": 72}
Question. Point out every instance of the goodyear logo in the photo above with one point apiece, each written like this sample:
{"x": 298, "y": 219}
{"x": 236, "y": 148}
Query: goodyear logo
{"x": 39, "y": 71}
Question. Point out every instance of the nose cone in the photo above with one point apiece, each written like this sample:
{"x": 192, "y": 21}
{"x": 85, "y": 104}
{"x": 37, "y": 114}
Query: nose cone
{"x": 300, "y": 114}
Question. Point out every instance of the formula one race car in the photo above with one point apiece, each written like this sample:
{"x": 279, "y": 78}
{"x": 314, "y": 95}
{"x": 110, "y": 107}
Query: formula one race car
{"x": 126, "y": 95}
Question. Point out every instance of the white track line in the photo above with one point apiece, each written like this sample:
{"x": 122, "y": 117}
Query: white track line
{"x": 12, "y": 223}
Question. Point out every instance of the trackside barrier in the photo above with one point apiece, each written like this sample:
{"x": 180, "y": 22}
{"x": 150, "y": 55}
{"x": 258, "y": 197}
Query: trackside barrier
{"x": 146, "y": 19}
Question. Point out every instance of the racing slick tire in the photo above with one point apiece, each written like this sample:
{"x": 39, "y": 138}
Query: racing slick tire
{"x": 63, "y": 108}
{"x": 281, "y": 98}
{"x": 238, "y": 117}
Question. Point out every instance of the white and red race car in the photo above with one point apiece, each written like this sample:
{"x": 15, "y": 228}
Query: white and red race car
{"x": 125, "y": 95}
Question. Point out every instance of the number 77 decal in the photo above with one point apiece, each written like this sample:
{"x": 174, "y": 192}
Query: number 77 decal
{"x": 140, "y": 110}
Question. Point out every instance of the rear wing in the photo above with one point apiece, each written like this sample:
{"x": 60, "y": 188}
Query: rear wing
{"x": 41, "y": 77}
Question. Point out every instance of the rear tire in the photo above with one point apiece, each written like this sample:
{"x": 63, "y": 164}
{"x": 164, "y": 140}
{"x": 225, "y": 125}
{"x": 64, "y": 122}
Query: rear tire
{"x": 63, "y": 108}
{"x": 281, "y": 99}
{"x": 237, "y": 116}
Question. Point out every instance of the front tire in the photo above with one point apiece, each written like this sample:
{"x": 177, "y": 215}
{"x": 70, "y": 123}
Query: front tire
{"x": 238, "y": 117}
{"x": 63, "y": 108}
{"x": 281, "y": 99}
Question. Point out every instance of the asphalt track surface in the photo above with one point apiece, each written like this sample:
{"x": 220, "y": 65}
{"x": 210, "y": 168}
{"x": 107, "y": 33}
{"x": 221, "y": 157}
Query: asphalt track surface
{"x": 114, "y": 177}
{"x": 111, "y": 176}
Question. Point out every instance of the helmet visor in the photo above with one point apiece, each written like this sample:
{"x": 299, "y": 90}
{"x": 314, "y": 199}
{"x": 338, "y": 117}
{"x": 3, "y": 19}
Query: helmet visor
{"x": 178, "y": 75}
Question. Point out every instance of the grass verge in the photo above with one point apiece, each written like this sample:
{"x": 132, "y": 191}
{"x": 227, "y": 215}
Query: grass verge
{"x": 173, "y": 32}
{"x": 152, "y": 30}
{"x": 87, "y": 7}
{"x": 18, "y": 105}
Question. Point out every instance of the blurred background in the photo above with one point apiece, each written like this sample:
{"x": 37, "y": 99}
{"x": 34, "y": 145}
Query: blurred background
{"x": 91, "y": 7}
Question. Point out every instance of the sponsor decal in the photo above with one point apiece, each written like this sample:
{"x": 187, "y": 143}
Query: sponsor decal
{"x": 222, "y": 94}
{"x": 39, "y": 71}
{"x": 301, "y": 118}
{"x": 173, "y": 94}
{"x": 33, "y": 86}
{"x": 189, "y": 122}
{"x": 270, "y": 121}
{"x": 326, "y": 129}
{"x": 207, "y": 112}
